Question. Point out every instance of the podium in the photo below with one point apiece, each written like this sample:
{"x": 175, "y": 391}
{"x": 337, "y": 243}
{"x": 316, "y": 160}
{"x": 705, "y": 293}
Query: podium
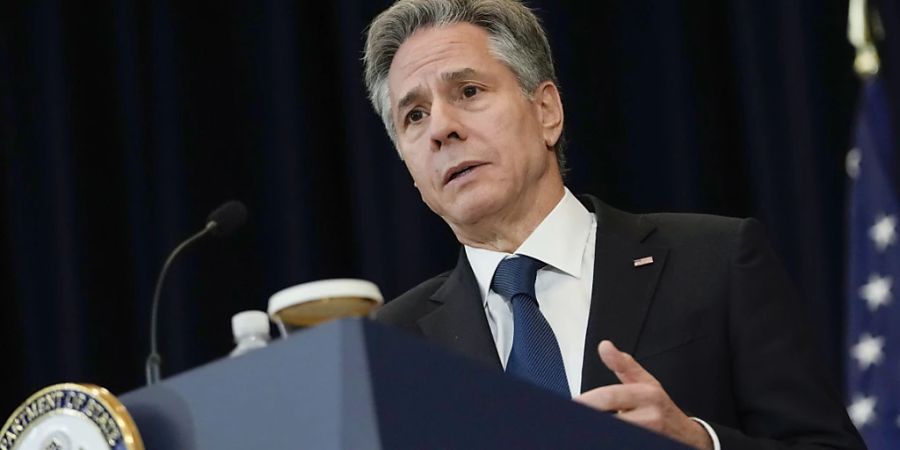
{"x": 355, "y": 384}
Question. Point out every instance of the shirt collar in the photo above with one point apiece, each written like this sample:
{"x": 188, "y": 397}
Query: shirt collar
{"x": 558, "y": 240}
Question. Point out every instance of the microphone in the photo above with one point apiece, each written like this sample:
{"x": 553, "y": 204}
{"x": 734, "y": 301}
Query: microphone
{"x": 222, "y": 222}
{"x": 226, "y": 219}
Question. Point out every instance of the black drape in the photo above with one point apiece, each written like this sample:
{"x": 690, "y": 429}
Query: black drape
{"x": 123, "y": 123}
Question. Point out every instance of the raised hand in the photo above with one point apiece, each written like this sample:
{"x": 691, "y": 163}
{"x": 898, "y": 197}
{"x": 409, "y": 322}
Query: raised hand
{"x": 641, "y": 400}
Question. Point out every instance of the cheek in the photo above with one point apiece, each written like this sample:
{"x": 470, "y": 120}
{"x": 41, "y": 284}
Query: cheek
{"x": 411, "y": 158}
{"x": 422, "y": 172}
{"x": 508, "y": 126}
{"x": 513, "y": 137}
{"x": 499, "y": 125}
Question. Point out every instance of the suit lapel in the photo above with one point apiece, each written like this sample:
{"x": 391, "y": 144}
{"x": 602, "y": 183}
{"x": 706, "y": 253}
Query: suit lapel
{"x": 460, "y": 322}
{"x": 620, "y": 299}
{"x": 621, "y": 293}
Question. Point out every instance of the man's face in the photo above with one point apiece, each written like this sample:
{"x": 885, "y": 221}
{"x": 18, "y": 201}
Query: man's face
{"x": 476, "y": 147}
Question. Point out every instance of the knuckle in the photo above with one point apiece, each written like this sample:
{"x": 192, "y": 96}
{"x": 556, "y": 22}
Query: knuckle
{"x": 656, "y": 393}
{"x": 649, "y": 391}
{"x": 600, "y": 400}
{"x": 655, "y": 418}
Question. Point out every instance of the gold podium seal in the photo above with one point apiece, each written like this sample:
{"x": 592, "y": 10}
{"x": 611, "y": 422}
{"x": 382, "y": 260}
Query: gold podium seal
{"x": 71, "y": 416}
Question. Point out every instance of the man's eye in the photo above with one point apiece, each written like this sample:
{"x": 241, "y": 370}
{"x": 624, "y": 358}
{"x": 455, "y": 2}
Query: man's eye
{"x": 469, "y": 91}
{"x": 415, "y": 116}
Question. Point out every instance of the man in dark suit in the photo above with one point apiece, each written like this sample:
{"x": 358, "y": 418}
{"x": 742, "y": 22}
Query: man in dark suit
{"x": 563, "y": 291}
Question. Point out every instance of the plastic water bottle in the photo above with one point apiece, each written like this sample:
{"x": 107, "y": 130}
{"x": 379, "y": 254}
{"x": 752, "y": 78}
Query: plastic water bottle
{"x": 251, "y": 331}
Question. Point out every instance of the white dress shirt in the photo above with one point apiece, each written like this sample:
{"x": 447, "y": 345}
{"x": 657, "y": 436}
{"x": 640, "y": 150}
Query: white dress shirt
{"x": 565, "y": 241}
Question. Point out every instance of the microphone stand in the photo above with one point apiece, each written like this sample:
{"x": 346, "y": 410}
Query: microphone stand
{"x": 153, "y": 359}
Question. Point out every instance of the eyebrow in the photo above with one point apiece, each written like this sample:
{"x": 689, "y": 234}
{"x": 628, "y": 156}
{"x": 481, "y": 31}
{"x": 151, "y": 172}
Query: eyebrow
{"x": 453, "y": 76}
{"x": 457, "y": 75}
{"x": 410, "y": 97}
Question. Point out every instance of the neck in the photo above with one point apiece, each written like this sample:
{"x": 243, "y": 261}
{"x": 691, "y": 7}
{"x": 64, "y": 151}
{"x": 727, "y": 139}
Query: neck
{"x": 507, "y": 230}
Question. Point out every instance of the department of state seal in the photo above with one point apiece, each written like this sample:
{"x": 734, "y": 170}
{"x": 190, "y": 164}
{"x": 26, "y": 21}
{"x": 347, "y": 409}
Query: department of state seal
{"x": 70, "y": 416}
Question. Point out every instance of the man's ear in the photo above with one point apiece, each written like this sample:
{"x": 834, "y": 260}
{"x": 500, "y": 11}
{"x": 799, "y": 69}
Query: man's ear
{"x": 549, "y": 111}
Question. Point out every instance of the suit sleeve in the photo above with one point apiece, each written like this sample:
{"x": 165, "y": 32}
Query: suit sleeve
{"x": 785, "y": 396}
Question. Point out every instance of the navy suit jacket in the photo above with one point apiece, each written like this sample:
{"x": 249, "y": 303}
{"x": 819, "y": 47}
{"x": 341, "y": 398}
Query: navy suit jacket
{"x": 714, "y": 318}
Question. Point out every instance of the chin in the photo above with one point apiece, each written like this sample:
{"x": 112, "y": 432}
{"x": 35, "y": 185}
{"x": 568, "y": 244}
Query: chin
{"x": 472, "y": 209}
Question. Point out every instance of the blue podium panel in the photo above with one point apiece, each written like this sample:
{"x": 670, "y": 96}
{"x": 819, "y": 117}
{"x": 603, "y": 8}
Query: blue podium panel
{"x": 355, "y": 384}
{"x": 310, "y": 391}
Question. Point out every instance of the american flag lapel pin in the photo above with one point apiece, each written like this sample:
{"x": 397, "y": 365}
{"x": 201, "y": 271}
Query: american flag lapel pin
{"x": 647, "y": 260}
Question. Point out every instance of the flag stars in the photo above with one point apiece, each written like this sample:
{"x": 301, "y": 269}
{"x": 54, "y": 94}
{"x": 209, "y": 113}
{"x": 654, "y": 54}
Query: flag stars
{"x": 884, "y": 232}
{"x": 868, "y": 351}
{"x": 862, "y": 410}
{"x": 877, "y": 292}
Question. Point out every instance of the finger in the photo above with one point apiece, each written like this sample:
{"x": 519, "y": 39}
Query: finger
{"x": 639, "y": 415}
{"x": 618, "y": 397}
{"x": 627, "y": 370}
{"x": 649, "y": 418}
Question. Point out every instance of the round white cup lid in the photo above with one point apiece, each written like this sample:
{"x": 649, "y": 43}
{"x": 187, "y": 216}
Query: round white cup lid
{"x": 317, "y": 290}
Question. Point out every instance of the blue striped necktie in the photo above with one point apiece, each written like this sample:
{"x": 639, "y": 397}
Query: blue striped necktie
{"x": 535, "y": 354}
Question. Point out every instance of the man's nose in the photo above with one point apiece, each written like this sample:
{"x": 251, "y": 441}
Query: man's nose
{"x": 445, "y": 125}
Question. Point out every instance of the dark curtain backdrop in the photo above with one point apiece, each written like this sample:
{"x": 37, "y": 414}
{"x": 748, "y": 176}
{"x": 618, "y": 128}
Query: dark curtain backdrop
{"x": 122, "y": 123}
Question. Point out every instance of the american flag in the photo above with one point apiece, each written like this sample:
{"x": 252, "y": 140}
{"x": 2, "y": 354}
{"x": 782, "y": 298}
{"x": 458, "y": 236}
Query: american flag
{"x": 873, "y": 279}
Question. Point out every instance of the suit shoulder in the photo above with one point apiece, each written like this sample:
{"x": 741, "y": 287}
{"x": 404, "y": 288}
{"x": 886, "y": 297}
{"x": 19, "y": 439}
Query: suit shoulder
{"x": 667, "y": 227}
{"x": 718, "y": 237}
{"x": 699, "y": 227}
{"x": 405, "y": 310}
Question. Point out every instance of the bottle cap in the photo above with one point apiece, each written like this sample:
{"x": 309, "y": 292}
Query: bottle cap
{"x": 246, "y": 323}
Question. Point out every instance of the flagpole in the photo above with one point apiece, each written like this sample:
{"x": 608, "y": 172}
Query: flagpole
{"x": 873, "y": 248}
{"x": 863, "y": 28}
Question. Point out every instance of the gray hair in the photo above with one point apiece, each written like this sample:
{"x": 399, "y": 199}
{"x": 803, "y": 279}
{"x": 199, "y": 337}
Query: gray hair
{"x": 515, "y": 37}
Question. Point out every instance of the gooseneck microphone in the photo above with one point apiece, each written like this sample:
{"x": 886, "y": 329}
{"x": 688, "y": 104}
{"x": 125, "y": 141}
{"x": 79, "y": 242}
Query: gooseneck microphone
{"x": 222, "y": 222}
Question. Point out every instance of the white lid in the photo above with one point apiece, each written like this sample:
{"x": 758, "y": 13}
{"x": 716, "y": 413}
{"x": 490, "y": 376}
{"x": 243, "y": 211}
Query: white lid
{"x": 316, "y": 290}
{"x": 247, "y": 323}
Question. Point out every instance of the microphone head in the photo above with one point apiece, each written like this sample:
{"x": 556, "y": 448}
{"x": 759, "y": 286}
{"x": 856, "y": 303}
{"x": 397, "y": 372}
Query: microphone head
{"x": 228, "y": 218}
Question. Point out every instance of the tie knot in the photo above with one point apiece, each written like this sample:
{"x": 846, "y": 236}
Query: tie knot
{"x": 516, "y": 276}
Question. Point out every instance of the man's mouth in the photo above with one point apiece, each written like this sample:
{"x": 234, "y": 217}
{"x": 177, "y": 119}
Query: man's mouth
{"x": 461, "y": 170}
